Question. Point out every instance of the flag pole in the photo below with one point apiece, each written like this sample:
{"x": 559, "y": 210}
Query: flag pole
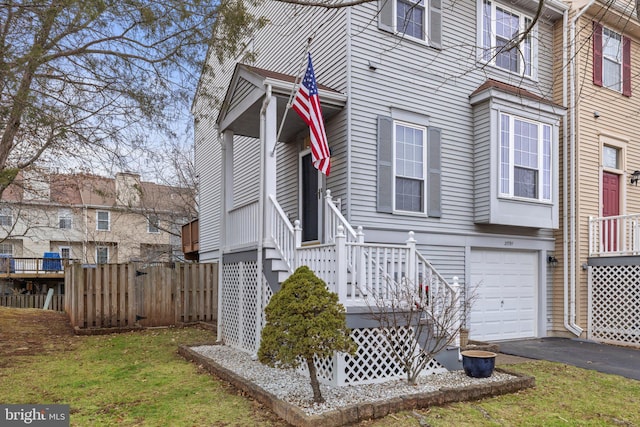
{"x": 293, "y": 91}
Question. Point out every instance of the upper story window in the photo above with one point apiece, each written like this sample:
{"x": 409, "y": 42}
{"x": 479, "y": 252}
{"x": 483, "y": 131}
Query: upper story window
{"x": 503, "y": 41}
{"x": 6, "y": 217}
{"x": 153, "y": 224}
{"x": 411, "y": 18}
{"x": 103, "y": 221}
{"x": 415, "y": 19}
{"x": 525, "y": 158}
{"x": 410, "y": 164}
{"x": 65, "y": 219}
{"x": 611, "y": 59}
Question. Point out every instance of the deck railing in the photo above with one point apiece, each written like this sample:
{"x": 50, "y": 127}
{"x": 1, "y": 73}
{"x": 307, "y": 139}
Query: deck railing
{"x": 35, "y": 266}
{"x": 614, "y": 235}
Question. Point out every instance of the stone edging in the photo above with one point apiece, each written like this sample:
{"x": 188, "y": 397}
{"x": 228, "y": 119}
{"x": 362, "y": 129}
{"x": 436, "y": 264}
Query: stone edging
{"x": 356, "y": 413}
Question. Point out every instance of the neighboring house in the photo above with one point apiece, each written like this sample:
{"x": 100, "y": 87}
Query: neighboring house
{"x": 433, "y": 129}
{"x": 90, "y": 219}
{"x": 596, "y": 285}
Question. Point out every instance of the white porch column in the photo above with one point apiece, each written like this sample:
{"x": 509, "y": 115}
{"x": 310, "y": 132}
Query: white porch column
{"x": 226, "y": 200}
{"x": 269, "y": 138}
{"x": 227, "y": 181}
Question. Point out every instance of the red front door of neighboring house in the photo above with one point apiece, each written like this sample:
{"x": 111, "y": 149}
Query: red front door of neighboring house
{"x": 610, "y": 207}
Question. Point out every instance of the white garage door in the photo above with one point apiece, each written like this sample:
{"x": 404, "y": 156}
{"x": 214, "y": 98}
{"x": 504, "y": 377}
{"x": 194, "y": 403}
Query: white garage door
{"x": 505, "y": 285}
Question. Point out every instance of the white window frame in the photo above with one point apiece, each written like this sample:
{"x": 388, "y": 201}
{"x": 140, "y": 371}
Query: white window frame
{"x": 98, "y": 257}
{"x": 102, "y": 221}
{"x": 488, "y": 52}
{"x": 6, "y": 249}
{"x": 419, "y": 4}
{"x": 544, "y": 167}
{"x": 65, "y": 215}
{"x": 61, "y": 249}
{"x": 396, "y": 175}
{"x": 153, "y": 227}
{"x": 6, "y": 217}
{"x": 613, "y": 82}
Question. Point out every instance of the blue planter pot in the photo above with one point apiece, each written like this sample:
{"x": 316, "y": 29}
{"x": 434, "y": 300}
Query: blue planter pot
{"x": 478, "y": 363}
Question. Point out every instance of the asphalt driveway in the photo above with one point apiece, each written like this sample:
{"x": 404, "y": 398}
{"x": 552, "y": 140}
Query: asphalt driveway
{"x": 610, "y": 359}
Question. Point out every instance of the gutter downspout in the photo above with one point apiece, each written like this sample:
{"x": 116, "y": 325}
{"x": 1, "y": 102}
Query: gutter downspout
{"x": 261, "y": 212}
{"x": 348, "y": 106}
{"x": 570, "y": 288}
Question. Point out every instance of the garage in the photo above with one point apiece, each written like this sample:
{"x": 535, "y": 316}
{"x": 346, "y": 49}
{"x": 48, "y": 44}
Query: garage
{"x": 505, "y": 287}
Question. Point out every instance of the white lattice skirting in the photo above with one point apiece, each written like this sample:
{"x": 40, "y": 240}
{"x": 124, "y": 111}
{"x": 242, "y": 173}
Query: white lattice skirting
{"x": 614, "y": 312}
{"x": 372, "y": 363}
{"x": 239, "y": 302}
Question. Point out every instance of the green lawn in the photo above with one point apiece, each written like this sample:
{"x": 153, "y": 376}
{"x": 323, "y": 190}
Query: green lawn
{"x": 138, "y": 379}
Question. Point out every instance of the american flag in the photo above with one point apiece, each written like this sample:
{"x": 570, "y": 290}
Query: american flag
{"x": 307, "y": 104}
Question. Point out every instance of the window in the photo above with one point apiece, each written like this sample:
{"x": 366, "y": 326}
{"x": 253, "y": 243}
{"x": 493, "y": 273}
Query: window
{"x": 65, "y": 252}
{"x": 408, "y": 178}
{"x": 610, "y": 157}
{"x": 6, "y": 217}
{"x": 153, "y": 225}
{"x": 611, "y": 59}
{"x": 410, "y": 18}
{"x": 65, "y": 219}
{"x": 102, "y": 254}
{"x": 410, "y": 161}
{"x": 6, "y": 249}
{"x": 102, "y": 221}
{"x": 501, "y": 40}
{"x": 525, "y": 158}
{"x": 416, "y": 19}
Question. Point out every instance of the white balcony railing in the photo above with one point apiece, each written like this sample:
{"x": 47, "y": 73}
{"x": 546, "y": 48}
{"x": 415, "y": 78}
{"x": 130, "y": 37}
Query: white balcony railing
{"x": 614, "y": 235}
{"x": 242, "y": 225}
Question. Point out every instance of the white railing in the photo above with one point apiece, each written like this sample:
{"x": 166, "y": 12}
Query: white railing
{"x": 364, "y": 274}
{"x": 333, "y": 219}
{"x": 242, "y": 225}
{"x": 614, "y": 235}
{"x": 286, "y": 237}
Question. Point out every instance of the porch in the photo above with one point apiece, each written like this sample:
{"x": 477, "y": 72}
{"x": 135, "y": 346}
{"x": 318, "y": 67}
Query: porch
{"x": 263, "y": 152}
{"x": 613, "y": 279}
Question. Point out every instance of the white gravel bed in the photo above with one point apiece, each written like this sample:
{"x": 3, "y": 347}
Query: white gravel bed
{"x": 294, "y": 388}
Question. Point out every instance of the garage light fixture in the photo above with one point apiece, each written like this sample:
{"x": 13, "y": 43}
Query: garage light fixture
{"x": 552, "y": 261}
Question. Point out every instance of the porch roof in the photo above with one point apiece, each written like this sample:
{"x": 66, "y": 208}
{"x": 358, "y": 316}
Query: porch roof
{"x": 240, "y": 110}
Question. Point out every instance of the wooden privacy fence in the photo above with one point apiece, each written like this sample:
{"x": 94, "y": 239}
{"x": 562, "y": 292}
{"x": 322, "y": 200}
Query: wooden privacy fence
{"x": 130, "y": 295}
{"x": 32, "y": 301}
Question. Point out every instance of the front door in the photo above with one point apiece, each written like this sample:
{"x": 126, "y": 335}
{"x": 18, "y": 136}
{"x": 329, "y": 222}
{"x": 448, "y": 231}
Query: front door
{"x": 309, "y": 200}
{"x": 610, "y": 207}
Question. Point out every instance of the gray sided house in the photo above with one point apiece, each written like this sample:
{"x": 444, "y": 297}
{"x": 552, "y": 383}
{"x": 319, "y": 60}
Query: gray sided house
{"x": 444, "y": 171}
